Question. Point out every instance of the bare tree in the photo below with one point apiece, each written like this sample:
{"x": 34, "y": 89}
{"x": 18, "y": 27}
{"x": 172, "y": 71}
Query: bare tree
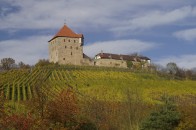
{"x": 172, "y": 68}
{"x": 23, "y": 65}
{"x": 7, "y": 63}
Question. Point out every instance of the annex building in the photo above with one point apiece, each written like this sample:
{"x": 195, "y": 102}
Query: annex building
{"x": 66, "y": 47}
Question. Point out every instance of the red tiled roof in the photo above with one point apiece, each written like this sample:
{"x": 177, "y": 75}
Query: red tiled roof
{"x": 121, "y": 57}
{"x": 67, "y": 32}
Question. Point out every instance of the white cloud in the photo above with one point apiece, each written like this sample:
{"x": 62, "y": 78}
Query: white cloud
{"x": 189, "y": 34}
{"x": 155, "y": 18}
{"x": 28, "y": 50}
{"x": 50, "y": 14}
{"x": 183, "y": 61}
{"x": 118, "y": 47}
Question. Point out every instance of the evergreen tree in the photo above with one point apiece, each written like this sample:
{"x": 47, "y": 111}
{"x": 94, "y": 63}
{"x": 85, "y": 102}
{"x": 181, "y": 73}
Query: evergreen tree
{"x": 166, "y": 118}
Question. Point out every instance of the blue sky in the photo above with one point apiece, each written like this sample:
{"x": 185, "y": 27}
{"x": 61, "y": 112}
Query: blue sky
{"x": 163, "y": 30}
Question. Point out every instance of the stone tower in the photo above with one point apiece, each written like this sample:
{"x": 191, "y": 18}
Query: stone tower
{"x": 66, "y": 47}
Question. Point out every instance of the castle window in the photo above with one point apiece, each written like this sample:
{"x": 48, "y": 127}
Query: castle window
{"x": 64, "y": 40}
{"x": 70, "y": 47}
{"x": 63, "y": 58}
{"x": 71, "y": 53}
{"x": 76, "y": 48}
{"x": 74, "y": 41}
{"x": 69, "y": 40}
{"x": 65, "y": 46}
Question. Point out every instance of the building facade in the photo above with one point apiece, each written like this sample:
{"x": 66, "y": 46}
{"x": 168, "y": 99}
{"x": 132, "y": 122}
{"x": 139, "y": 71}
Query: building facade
{"x": 120, "y": 61}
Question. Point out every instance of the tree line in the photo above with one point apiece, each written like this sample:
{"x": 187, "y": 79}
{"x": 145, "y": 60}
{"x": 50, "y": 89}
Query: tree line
{"x": 173, "y": 71}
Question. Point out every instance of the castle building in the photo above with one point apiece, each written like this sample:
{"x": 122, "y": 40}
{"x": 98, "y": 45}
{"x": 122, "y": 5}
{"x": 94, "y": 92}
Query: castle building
{"x": 66, "y": 47}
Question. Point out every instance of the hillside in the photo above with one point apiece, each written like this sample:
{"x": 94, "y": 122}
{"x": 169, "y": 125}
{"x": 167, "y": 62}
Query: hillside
{"x": 107, "y": 98}
{"x": 20, "y": 85}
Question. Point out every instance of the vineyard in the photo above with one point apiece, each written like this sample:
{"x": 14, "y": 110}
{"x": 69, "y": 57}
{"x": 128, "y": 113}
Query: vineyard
{"x": 22, "y": 85}
{"x": 106, "y": 98}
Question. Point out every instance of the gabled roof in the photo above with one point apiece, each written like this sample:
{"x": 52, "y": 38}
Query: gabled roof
{"x": 122, "y": 57}
{"x": 65, "y": 31}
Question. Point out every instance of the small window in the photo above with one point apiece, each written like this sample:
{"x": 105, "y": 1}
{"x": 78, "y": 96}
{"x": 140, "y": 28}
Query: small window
{"x": 76, "y": 48}
{"x": 63, "y": 58}
{"x": 65, "y": 46}
{"x": 69, "y": 40}
{"x": 74, "y": 41}
{"x": 71, "y": 53}
{"x": 64, "y": 40}
{"x": 70, "y": 47}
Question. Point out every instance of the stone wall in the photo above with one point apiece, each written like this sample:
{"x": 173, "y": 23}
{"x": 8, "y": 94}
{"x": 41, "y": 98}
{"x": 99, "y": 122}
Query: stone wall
{"x": 87, "y": 62}
{"x": 111, "y": 63}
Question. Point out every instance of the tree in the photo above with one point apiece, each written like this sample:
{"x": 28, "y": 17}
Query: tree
{"x": 129, "y": 64}
{"x": 2, "y": 109}
{"x": 64, "y": 109}
{"x": 18, "y": 122}
{"x": 172, "y": 68}
{"x": 7, "y": 63}
{"x": 167, "y": 118}
{"x": 42, "y": 62}
{"x": 23, "y": 65}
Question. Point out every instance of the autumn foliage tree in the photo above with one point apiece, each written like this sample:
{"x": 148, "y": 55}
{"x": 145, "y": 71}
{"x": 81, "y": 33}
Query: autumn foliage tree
{"x": 2, "y": 109}
{"x": 18, "y": 122}
{"x": 64, "y": 109}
